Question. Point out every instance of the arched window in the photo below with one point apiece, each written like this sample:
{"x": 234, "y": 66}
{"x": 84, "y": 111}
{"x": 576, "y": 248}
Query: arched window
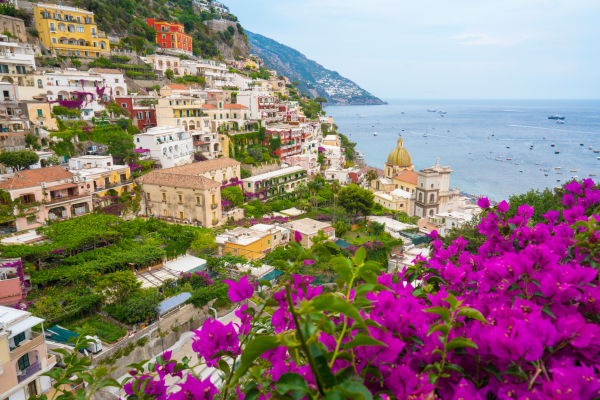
{"x": 430, "y": 212}
{"x": 432, "y": 185}
{"x": 62, "y": 27}
{"x": 40, "y": 83}
{"x": 71, "y": 28}
{"x": 420, "y": 196}
{"x": 432, "y": 198}
{"x": 80, "y": 29}
{"x": 103, "y": 45}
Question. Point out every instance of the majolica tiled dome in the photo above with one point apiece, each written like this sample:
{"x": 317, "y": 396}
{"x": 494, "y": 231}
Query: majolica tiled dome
{"x": 399, "y": 156}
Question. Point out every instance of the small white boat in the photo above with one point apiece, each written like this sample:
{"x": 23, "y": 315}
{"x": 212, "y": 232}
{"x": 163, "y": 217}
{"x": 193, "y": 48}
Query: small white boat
{"x": 425, "y": 135}
{"x": 552, "y": 145}
{"x": 593, "y": 174}
{"x": 508, "y": 147}
{"x": 581, "y": 144}
{"x": 560, "y": 121}
{"x": 402, "y": 112}
{"x": 375, "y": 134}
{"x": 430, "y": 110}
{"x": 363, "y": 116}
{"x": 544, "y": 137}
{"x": 557, "y": 152}
{"x": 442, "y": 112}
{"x": 596, "y": 151}
{"x": 520, "y": 170}
{"x": 591, "y": 148}
{"x": 537, "y": 163}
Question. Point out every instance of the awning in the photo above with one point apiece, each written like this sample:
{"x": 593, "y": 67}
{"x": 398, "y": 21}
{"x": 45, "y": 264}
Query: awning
{"x": 173, "y": 302}
{"x": 271, "y": 275}
{"x": 60, "y": 335}
{"x": 24, "y": 325}
{"x": 65, "y": 186}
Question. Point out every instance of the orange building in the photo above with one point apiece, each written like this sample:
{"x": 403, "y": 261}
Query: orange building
{"x": 171, "y": 36}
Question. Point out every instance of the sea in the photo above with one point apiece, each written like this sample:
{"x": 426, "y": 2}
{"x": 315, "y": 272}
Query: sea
{"x": 474, "y": 134}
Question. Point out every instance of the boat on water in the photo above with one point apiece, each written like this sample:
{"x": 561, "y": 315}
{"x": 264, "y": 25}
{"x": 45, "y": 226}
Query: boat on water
{"x": 544, "y": 137}
{"x": 402, "y": 130}
{"x": 557, "y": 152}
{"x": 362, "y": 116}
{"x": 448, "y": 130}
{"x": 537, "y": 163}
{"x": 442, "y": 115}
{"x": 573, "y": 170}
{"x": 508, "y": 159}
{"x": 402, "y": 112}
{"x": 581, "y": 144}
{"x": 558, "y": 180}
{"x": 433, "y": 127}
{"x": 520, "y": 170}
{"x": 399, "y": 133}
{"x": 425, "y": 135}
{"x": 591, "y": 148}
{"x": 552, "y": 145}
{"x": 508, "y": 147}
{"x": 560, "y": 121}
{"x": 545, "y": 174}
{"x": 500, "y": 156}
{"x": 556, "y": 117}
{"x": 593, "y": 174}
{"x": 596, "y": 151}
{"x": 442, "y": 112}
{"x": 559, "y": 173}
{"x": 556, "y": 167}
{"x": 375, "y": 134}
{"x": 430, "y": 110}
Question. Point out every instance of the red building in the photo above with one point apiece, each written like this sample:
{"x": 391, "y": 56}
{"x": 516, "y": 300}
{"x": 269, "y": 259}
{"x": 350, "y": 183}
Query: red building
{"x": 171, "y": 35}
{"x": 141, "y": 108}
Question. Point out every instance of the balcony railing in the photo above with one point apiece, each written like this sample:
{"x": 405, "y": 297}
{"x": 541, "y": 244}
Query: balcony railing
{"x": 26, "y": 346}
{"x": 67, "y": 198}
{"x": 28, "y": 372}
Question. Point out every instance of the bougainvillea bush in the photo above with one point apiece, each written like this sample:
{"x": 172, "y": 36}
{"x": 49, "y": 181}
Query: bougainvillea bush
{"x": 518, "y": 320}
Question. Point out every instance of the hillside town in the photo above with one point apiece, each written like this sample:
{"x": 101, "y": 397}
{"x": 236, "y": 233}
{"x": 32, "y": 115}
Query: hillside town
{"x": 134, "y": 184}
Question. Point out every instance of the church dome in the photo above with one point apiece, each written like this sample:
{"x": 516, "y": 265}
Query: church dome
{"x": 399, "y": 156}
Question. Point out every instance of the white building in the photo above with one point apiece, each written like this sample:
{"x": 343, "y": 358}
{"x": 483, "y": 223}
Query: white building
{"x": 162, "y": 62}
{"x": 258, "y": 102}
{"x": 23, "y": 356}
{"x": 242, "y": 82}
{"x": 170, "y": 145}
{"x": 433, "y": 194}
{"x": 334, "y": 157}
{"x": 281, "y": 182}
{"x": 19, "y": 57}
{"x": 444, "y": 222}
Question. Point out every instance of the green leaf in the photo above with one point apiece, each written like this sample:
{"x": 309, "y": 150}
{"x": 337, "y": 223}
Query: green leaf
{"x": 362, "y": 340}
{"x": 374, "y": 324}
{"x": 355, "y": 390}
{"x": 441, "y": 311}
{"x": 546, "y": 310}
{"x": 109, "y": 382}
{"x": 343, "y": 267}
{"x": 327, "y": 377}
{"x": 332, "y": 395}
{"x": 460, "y": 342}
{"x": 445, "y": 329}
{"x": 455, "y": 368}
{"x": 333, "y": 303}
{"x": 369, "y": 277}
{"x": 263, "y": 282}
{"x": 257, "y": 347}
{"x": 492, "y": 369}
{"x": 252, "y": 394}
{"x": 471, "y": 313}
{"x": 292, "y": 383}
{"x": 359, "y": 256}
{"x": 223, "y": 366}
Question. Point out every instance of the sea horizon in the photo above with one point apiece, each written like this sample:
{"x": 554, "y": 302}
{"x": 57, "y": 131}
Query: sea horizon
{"x": 460, "y": 139}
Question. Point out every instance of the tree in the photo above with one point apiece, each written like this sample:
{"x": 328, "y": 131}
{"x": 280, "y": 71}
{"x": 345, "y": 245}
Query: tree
{"x": 245, "y": 173}
{"x": 295, "y": 83}
{"x": 18, "y": 159}
{"x": 335, "y": 188}
{"x": 169, "y": 74}
{"x": 371, "y": 176}
{"x": 234, "y": 194}
{"x": 118, "y": 287}
{"x": 378, "y": 228}
{"x": 341, "y": 228}
{"x": 231, "y": 30}
{"x": 52, "y": 160}
{"x": 203, "y": 242}
{"x": 320, "y": 100}
{"x": 542, "y": 202}
{"x": 356, "y": 200}
{"x": 255, "y": 153}
{"x": 141, "y": 305}
{"x": 469, "y": 232}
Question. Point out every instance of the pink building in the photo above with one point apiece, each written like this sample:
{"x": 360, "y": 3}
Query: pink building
{"x": 23, "y": 355}
{"x": 47, "y": 194}
{"x": 11, "y": 288}
{"x": 307, "y": 161}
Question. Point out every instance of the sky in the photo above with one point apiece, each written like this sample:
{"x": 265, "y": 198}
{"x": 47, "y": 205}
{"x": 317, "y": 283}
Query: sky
{"x": 440, "y": 49}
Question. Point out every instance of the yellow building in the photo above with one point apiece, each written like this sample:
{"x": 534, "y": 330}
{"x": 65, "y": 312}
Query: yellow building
{"x": 398, "y": 161}
{"x": 181, "y": 110}
{"x": 100, "y": 175}
{"x": 406, "y": 180}
{"x": 69, "y": 31}
{"x": 397, "y": 200}
{"x": 245, "y": 242}
{"x": 250, "y": 63}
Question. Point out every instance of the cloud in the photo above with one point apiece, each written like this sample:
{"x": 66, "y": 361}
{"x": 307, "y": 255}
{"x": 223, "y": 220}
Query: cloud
{"x": 484, "y": 39}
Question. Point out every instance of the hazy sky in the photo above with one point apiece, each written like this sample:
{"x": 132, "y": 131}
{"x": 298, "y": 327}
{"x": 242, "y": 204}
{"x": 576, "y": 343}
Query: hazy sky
{"x": 511, "y": 49}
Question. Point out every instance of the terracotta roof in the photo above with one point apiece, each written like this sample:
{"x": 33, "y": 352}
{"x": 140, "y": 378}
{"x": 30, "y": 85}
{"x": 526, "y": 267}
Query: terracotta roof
{"x": 408, "y": 177}
{"x": 209, "y": 106}
{"x": 328, "y": 229}
{"x": 235, "y": 106}
{"x": 34, "y": 177}
{"x": 379, "y": 172}
{"x": 201, "y": 167}
{"x": 179, "y": 87}
{"x": 47, "y": 174}
{"x": 106, "y": 71}
{"x": 177, "y": 180}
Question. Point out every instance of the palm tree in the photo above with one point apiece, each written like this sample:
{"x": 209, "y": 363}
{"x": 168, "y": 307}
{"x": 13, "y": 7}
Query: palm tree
{"x": 335, "y": 187}
{"x": 301, "y": 188}
{"x": 371, "y": 176}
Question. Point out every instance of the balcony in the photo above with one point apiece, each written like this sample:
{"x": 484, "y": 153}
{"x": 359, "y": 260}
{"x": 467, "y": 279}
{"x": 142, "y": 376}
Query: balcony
{"x": 28, "y": 372}
{"x": 63, "y": 199}
{"x": 213, "y": 206}
{"x": 26, "y": 346}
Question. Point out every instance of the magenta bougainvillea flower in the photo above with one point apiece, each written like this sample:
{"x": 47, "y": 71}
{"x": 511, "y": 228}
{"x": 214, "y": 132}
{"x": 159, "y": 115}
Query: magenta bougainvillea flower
{"x": 195, "y": 389}
{"x": 239, "y": 291}
{"x": 214, "y": 337}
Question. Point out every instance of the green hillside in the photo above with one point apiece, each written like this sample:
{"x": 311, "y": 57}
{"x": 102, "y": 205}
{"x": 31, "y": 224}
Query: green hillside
{"x": 311, "y": 76}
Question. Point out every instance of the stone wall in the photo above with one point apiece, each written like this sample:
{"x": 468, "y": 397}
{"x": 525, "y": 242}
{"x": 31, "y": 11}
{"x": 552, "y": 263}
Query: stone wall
{"x": 15, "y": 26}
{"x": 261, "y": 168}
{"x": 172, "y": 328}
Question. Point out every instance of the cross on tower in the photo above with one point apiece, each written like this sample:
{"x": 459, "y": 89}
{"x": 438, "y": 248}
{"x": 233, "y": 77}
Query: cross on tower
{"x": 437, "y": 160}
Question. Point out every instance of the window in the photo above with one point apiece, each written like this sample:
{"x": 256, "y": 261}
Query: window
{"x": 24, "y": 362}
{"x": 116, "y": 81}
{"x": 95, "y": 44}
{"x": 80, "y": 29}
{"x": 234, "y": 173}
{"x": 53, "y": 40}
{"x": 140, "y": 115}
{"x": 19, "y": 338}
{"x": 432, "y": 185}
{"x": 197, "y": 201}
{"x": 148, "y": 115}
{"x": 52, "y": 27}
{"x": 164, "y": 197}
{"x": 249, "y": 185}
{"x": 40, "y": 84}
{"x": 93, "y": 31}
{"x": 39, "y": 113}
{"x": 124, "y": 105}
{"x": 431, "y": 198}
{"x": 224, "y": 179}
{"x": 163, "y": 36}
{"x": 37, "y": 132}
{"x": 234, "y": 115}
{"x": 147, "y": 196}
{"x": 180, "y": 198}
{"x": 88, "y": 20}
{"x": 68, "y": 52}
{"x": 165, "y": 213}
{"x": 268, "y": 242}
{"x": 31, "y": 220}
{"x": 103, "y": 45}
{"x": 213, "y": 199}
